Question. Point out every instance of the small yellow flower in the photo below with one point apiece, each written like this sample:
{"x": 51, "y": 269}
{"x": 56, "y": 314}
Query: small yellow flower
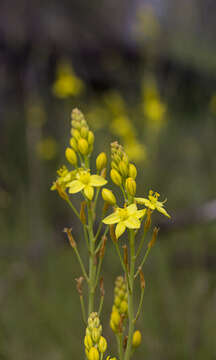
{"x": 153, "y": 203}
{"x": 86, "y": 182}
{"x": 127, "y": 217}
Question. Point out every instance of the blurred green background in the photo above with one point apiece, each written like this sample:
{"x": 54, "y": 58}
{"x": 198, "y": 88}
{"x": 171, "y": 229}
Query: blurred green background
{"x": 143, "y": 73}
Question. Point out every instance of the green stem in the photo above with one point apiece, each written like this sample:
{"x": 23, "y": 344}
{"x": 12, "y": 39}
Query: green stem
{"x": 81, "y": 264}
{"x": 73, "y": 208}
{"x": 143, "y": 261}
{"x": 92, "y": 265}
{"x": 86, "y": 236}
{"x": 98, "y": 272}
{"x": 122, "y": 264}
{"x": 141, "y": 243}
{"x": 83, "y": 309}
{"x": 100, "y": 305}
{"x": 130, "y": 297}
{"x": 120, "y": 346}
{"x": 140, "y": 305}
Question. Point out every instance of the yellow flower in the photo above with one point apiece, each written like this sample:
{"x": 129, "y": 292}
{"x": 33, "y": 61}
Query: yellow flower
{"x": 64, "y": 177}
{"x": 153, "y": 203}
{"x": 86, "y": 182}
{"x": 127, "y": 217}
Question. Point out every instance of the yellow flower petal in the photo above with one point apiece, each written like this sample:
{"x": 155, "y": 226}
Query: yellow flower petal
{"x": 120, "y": 228}
{"x": 162, "y": 211}
{"x": 112, "y": 219}
{"x": 97, "y": 180}
{"x": 131, "y": 209}
{"x": 140, "y": 213}
{"x": 132, "y": 223}
{"x": 146, "y": 202}
{"x": 75, "y": 186}
{"x": 89, "y": 192}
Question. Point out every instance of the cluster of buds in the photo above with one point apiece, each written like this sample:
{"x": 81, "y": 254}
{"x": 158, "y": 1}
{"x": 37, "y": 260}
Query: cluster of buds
{"x": 95, "y": 343}
{"x": 82, "y": 139}
{"x": 120, "y": 307}
{"x": 123, "y": 173}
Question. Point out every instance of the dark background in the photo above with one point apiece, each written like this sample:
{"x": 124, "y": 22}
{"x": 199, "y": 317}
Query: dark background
{"x": 144, "y": 73}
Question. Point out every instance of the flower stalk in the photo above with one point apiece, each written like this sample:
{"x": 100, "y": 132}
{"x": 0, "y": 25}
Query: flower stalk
{"x": 126, "y": 218}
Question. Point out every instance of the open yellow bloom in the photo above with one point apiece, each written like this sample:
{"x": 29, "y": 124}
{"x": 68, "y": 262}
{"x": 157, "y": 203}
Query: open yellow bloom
{"x": 153, "y": 203}
{"x": 86, "y": 182}
{"x": 127, "y": 217}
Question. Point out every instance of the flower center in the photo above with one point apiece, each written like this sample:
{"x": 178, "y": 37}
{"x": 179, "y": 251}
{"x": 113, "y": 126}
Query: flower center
{"x": 123, "y": 214}
{"x": 85, "y": 178}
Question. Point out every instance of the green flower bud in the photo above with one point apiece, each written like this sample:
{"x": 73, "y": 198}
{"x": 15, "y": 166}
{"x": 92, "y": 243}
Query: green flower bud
{"x": 93, "y": 354}
{"x": 137, "y": 338}
{"x": 83, "y": 146}
{"x": 71, "y": 156}
{"x": 132, "y": 171}
{"x": 123, "y": 167}
{"x": 116, "y": 177}
{"x": 130, "y": 186}
{"x": 102, "y": 346}
{"x": 108, "y": 196}
{"x": 101, "y": 161}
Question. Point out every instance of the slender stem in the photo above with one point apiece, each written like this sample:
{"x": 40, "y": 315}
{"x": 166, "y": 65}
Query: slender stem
{"x": 81, "y": 264}
{"x": 120, "y": 346}
{"x": 96, "y": 197}
{"x": 92, "y": 264}
{"x": 130, "y": 297}
{"x": 98, "y": 230}
{"x": 143, "y": 261}
{"x": 86, "y": 236}
{"x": 83, "y": 308}
{"x": 73, "y": 208}
{"x": 98, "y": 272}
{"x": 100, "y": 305}
{"x": 140, "y": 305}
{"x": 141, "y": 243}
{"x": 122, "y": 264}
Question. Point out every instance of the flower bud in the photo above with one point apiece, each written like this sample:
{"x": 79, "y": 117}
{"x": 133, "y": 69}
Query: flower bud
{"x": 115, "y": 317}
{"x": 101, "y": 161}
{"x": 84, "y": 132}
{"x": 83, "y": 146}
{"x": 95, "y": 334}
{"x": 75, "y": 133}
{"x": 93, "y": 354}
{"x": 123, "y": 307}
{"x": 71, "y": 156}
{"x": 108, "y": 196}
{"x": 130, "y": 186}
{"x": 137, "y": 337}
{"x": 123, "y": 167}
{"x": 88, "y": 342}
{"x": 102, "y": 346}
{"x": 90, "y": 137}
{"x": 73, "y": 143}
{"x": 116, "y": 177}
{"x": 132, "y": 171}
